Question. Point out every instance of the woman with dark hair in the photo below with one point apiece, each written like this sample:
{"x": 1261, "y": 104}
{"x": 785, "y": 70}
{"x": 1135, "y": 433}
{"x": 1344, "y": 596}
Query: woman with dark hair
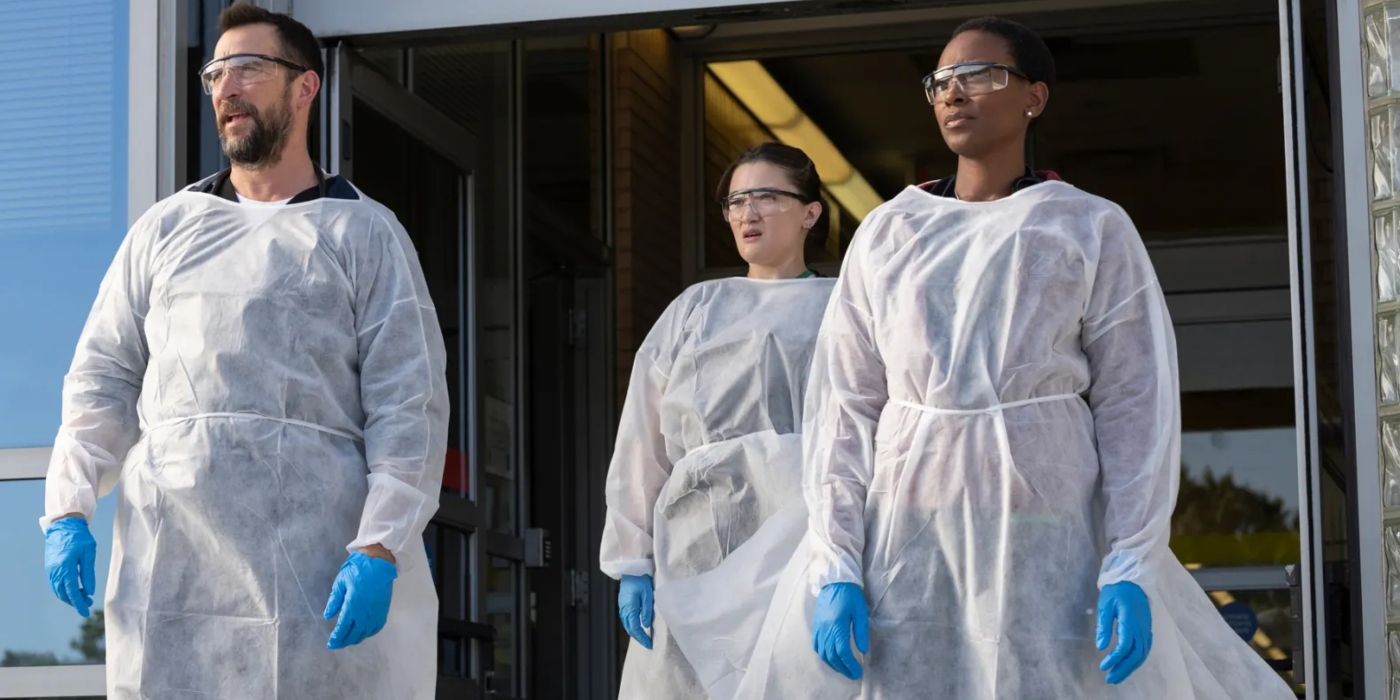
{"x": 703, "y": 493}
{"x": 992, "y": 440}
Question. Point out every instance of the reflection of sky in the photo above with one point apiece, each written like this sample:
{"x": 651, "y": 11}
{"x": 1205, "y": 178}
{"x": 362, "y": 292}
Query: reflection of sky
{"x": 1265, "y": 460}
{"x": 31, "y": 618}
{"x": 63, "y": 200}
{"x": 48, "y": 282}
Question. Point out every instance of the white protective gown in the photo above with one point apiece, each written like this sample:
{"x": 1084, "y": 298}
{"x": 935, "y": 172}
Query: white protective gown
{"x": 991, "y": 435}
{"x": 268, "y": 386}
{"x": 704, "y": 490}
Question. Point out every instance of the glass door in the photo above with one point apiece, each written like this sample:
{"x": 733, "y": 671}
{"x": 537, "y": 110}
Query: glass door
{"x": 398, "y": 147}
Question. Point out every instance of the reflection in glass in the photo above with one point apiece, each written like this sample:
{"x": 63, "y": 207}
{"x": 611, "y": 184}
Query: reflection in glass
{"x": 470, "y": 83}
{"x": 425, "y": 191}
{"x": 1272, "y": 633}
{"x": 35, "y": 628}
{"x": 1238, "y": 498}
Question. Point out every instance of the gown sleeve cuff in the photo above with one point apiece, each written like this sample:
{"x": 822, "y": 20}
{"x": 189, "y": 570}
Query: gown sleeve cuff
{"x": 628, "y": 567}
{"x": 1119, "y": 567}
{"x": 394, "y": 514}
{"x": 826, "y": 570}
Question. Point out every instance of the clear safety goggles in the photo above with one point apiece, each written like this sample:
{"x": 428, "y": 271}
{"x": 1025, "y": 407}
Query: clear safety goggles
{"x": 766, "y": 201}
{"x": 244, "y": 69}
{"x": 977, "y": 78}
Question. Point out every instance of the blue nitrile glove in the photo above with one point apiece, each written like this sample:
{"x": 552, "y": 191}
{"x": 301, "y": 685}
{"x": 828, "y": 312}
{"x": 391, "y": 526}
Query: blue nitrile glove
{"x": 360, "y": 595}
{"x": 634, "y": 607}
{"x": 1125, "y": 603}
{"x": 70, "y": 554}
{"x": 840, "y": 613}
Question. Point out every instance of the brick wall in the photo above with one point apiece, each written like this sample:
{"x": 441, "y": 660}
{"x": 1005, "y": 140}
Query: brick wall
{"x": 646, "y": 186}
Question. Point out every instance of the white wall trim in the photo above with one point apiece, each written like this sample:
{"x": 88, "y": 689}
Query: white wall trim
{"x": 24, "y": 463}
{"x": 53, "y": 681}
{"x": 141, "y": 107}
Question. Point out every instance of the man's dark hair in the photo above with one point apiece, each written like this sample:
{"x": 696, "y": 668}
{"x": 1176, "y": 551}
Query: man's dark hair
{"x": 298, "y": 43}
{"x": 1029, "y": 51}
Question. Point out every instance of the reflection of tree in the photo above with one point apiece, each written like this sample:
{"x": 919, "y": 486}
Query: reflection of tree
{"x": 91, "y": 642}
{"x": 1217, "y": 505}
{"x": 90, "y": 645}
{"x": 28, "y": 658}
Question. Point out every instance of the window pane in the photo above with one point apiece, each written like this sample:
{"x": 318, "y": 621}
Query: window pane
{"x": 425, "y": 191}
{"x": 39, "y": 630}
{"x": 1262, "y": 619}
{"x": 562, "y": 130}
{"x": 471, "y": 84}
{"x": 63, "y": 131}
{"x": 1238, "y": 501}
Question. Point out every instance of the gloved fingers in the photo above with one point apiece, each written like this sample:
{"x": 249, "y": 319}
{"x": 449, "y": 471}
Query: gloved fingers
{"x": 1141, "y": 646}
{"x": 340, "y": 636}
{"x": 76, "y": 598}
{"x": 635, "y": 630}
{"x": 58, "y": 579}
{"x": 357, "y": 633}
{"x": 88, "y": 557}
{"x": 845, "y": 660}
{"x": 1121, "y": 652}
{"x": 1143, "y": 629}
{"x": 861, "y": 627}
{"x": 648, "y": 607}
{"x": 1132, "y": 663}
{"x": 1125, "y": 668}
{"x": 369, "y": 628}
{"x": 826, "y": 650}
{"x": 1107, "y": 613}
{"x": 639, "y": 633}
{"x": 1145, "y": 643}
{"x": 336, "y": 600}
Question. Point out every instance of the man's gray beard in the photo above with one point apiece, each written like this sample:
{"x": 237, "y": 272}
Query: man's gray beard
{"x": 263, "y": 144}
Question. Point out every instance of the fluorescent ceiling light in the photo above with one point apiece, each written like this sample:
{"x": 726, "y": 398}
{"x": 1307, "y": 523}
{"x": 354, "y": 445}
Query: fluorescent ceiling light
{"x": 751, "y": 83}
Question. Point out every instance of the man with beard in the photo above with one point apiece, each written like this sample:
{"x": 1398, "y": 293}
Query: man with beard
{"x": 264, "y": 371}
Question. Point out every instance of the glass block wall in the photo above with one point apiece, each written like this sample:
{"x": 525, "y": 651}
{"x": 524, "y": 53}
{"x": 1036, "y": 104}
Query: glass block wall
{"x": 1382, "y": 64}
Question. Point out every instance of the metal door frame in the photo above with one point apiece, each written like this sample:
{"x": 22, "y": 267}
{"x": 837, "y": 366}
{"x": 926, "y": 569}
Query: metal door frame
{"x": 1292, "y": 89}
{"x": 1310, "y": 663}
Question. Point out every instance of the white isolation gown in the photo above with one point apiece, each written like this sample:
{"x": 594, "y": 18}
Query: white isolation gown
{"x": 991, "y": 435}
{"x": 267, "y": 383}
{"x": 704, "y": 489}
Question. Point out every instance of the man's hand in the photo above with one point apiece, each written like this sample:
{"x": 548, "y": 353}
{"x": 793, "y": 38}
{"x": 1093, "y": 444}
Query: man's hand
{"x": 379, "y": 551}
{"x": 361, "y": 595}
{"x": 70, "y": 555}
